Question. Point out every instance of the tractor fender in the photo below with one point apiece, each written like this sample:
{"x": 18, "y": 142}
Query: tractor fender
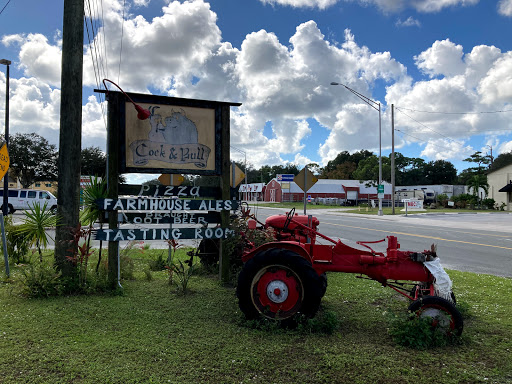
{"x": 293, "y": 246}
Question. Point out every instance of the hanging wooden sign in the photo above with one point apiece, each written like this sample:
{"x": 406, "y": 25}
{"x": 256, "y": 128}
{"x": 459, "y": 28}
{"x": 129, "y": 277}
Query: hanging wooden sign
{"x": 171, "y": 218}
{"x": 169, "y": 191}
{"x": 156, "y": 204}
{"x": 163, "y": 234}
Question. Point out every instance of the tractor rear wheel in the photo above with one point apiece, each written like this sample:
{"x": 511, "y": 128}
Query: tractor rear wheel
{"x": 443, "y": 314}
{"x": 278, "y": 284}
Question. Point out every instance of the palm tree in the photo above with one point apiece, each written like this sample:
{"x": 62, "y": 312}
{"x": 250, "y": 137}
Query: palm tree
{"x": 476, "y": 182}
{"x": 37, "y": 220}
{"x": 97, "y": 189}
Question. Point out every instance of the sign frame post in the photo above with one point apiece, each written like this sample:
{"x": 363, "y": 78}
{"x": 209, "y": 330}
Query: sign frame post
{"x": 4, "y": 167}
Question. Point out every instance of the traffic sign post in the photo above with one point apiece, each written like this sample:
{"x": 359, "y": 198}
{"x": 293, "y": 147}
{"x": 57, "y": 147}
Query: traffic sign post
{"x": 380, "y": 191}
{"x": 237, "y": 175}
{"x": 4, "y": 166}
{"x": 380, "y": 196}
{"x": 305, "y": 180}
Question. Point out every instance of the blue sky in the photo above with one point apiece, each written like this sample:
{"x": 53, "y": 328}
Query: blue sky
{"x": 440, "y": 62}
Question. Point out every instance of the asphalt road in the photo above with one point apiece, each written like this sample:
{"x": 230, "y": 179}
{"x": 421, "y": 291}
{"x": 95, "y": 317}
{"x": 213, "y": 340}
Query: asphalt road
{"x": 480, "y": 243}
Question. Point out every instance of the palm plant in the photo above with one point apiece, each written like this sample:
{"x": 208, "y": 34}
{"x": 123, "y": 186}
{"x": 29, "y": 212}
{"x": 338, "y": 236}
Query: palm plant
{"x": 97, "y": 189}
{"x": 476, "y": 182}
{"x": 37, "y": 220}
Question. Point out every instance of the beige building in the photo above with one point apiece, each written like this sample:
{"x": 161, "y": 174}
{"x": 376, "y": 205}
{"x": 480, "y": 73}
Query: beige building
{"x": 500, "y": 186}
{"x": 41, "y": 185}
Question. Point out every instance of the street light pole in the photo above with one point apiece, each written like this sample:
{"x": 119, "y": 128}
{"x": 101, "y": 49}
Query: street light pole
{"x": 375, "y": 105}
{"x": 5, "y": 209}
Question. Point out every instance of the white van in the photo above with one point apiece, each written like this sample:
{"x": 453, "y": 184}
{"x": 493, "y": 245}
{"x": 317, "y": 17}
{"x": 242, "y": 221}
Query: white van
{"x": 26, "y": 198}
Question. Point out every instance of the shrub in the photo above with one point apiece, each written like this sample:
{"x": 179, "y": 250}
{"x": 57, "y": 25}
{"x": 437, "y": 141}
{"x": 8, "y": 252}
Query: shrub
{"x": 235, "y": 246}
{"x": 17, "y": 243}
{"x": 463, "y": 200}
{"x": 443, "y": 198}
{"x": 488, "y": 203}
{"x": 417, "y": 332}
{"x": 127, "y": 267}
{"x": 37, "y": 220}
{"x": 324, "y": 322}
{"x": 180, "y": 275}
{"x": 40, "y": 280}
{"x": 158, "y": 264}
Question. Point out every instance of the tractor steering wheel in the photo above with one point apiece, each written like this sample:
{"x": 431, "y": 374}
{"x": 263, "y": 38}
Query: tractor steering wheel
{"x": 289, "y": 217}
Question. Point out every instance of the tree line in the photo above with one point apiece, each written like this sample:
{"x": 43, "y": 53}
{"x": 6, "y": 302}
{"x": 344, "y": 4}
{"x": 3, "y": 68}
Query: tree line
{"x": 364, "y": 165}
{"x": 33, "y": 158}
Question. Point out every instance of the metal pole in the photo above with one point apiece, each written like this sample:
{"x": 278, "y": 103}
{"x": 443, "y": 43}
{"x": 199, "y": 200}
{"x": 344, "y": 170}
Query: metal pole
{"x": 305, "y": 187}
{"x": 6, "y": 177}
{"x": 4, "y": 242}
{"x": 393, "y": 157}
{"x": 380, "y": 161}
{"x": 373, "y": 104}
{"x": 245, "y": 166}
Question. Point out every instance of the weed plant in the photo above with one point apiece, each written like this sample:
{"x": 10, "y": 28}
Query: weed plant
{"x": 180, "y": 274}
{"x": 40, "y": 279}
{"x": 416, "y": 332}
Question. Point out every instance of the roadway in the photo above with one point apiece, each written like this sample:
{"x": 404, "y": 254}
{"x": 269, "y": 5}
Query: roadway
{"x": 480, "y": 243}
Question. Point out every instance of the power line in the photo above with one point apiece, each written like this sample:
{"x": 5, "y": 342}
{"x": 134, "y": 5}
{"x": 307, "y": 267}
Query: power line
{"x": 5, "y": 6}
{"x": 454, "y": 113}
{"x": 423, "y": 125}
{"x": 97, "y": 62}
{"x": 422, "y": 140}
{"x": 121, "y": 48}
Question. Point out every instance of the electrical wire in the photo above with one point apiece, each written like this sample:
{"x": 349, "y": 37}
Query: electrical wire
{"x": 121, "y": 48}
{"x": 454, "y": 113}
{"x": 423, "y": 125}
{"x": 5, "y": 6}
{"x": 422, "y": 140}
{"x": 91, "y": 24}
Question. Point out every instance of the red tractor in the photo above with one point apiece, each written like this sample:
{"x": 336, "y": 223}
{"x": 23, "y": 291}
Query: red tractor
{"x": 287, "y": 277}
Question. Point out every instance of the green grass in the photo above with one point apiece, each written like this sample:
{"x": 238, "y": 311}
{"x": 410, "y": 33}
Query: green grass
{"x": 152, "y": 334}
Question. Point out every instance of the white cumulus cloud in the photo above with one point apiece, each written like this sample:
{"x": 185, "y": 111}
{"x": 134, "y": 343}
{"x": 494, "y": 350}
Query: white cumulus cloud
{"x": 505, "y": 7}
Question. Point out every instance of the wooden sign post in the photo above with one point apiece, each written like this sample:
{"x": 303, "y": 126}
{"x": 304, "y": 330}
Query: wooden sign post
{"x": 197, "y": 144}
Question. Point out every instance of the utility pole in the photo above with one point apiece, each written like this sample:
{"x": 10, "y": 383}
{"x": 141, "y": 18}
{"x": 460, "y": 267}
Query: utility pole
{"x": 6, "y": 176}
{"x": 490, "y": 156}
{"x": 393, "y": 157}
{"x": 70, "y": 139}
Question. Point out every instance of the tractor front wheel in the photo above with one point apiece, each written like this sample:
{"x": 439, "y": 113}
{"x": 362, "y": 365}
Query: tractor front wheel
{"x": 278, "y": 284}
{"x": 442, "y": 313}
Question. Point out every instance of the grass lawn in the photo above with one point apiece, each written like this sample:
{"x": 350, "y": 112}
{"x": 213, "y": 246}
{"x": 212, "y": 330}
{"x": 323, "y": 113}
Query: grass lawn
{"x": 152, "y": 334}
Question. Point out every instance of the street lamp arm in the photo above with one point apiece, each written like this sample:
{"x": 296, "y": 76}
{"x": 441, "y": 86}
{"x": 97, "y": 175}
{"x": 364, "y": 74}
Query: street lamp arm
{"x": 367, "y": 100}
{"x": 375, "y": 105}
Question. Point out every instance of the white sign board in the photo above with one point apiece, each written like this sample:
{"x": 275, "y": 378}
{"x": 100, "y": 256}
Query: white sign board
{"x": 412, "y": 205}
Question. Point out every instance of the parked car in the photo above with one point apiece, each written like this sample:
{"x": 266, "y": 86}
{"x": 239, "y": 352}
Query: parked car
{"x": 26, "y": 198}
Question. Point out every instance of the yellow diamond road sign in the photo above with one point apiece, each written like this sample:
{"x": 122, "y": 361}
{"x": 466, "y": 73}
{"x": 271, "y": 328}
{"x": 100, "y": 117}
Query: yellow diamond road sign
{"x": 239, "y": 176}
{"x": 168, "y": 179}
{"x": 305, "y": 179}
{"x": 4, "y": 160}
